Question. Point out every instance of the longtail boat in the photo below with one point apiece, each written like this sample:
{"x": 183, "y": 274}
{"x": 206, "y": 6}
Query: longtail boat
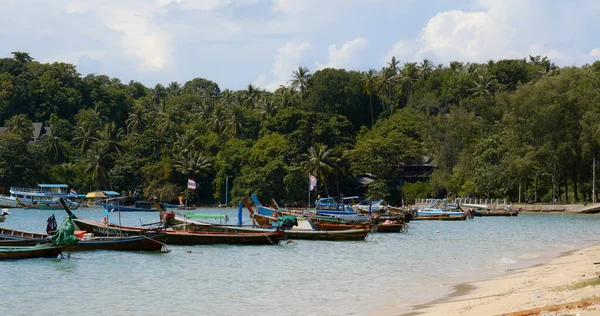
{"x": 440, "y": 218}
{"x": 27, "y": 252}
{"x": 13, "y": 234}
{"x": 338, "y": 235}
{"x": 134, "y": 243}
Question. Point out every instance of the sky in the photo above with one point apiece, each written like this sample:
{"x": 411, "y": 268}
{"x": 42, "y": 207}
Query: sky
{"x": 240, "y": 42}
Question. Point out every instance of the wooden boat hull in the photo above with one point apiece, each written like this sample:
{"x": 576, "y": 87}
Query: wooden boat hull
{"x": 390, "y": 228}
{"x": 339, "y": 235}
{"x": 39, "y": 251}
{"x": 335, "y": 226}
{"x": 8, "y": 234}
{"x": 136, "y": 243}
{"x": 122, "y": 208}
{"x": 212, "y": 238}
{"x": 172, "y": 237}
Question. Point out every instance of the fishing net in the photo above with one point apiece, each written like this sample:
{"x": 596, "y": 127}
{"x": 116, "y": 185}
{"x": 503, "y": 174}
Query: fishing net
{"x": 65, "y": 234}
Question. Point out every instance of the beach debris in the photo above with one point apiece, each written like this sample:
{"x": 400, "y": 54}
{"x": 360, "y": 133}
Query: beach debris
{"x": 188, "y": 251}
{"x": 437, "y": 231}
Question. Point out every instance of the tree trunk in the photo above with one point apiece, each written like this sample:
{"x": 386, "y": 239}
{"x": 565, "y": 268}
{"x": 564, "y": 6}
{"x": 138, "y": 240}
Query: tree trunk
{"x": 371, "y": 104}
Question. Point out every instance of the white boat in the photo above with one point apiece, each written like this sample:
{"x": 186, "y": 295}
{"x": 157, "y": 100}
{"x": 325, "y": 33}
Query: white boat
{"x": 375, "y": 206}
{"x": 44, "y": 197}
{"x": 439, "y": 208}
{"x": 8, "y": 201}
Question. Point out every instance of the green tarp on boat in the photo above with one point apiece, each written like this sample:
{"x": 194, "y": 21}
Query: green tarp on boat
{"x": 65, "y": 234}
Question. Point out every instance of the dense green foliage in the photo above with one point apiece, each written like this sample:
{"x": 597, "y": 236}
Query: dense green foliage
{"x": 494, "y": 130}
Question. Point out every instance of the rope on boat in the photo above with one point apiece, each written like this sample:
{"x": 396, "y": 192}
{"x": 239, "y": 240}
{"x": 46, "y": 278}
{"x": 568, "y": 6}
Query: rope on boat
{"x": 266, "y": 235}
{"x": 156, "y": 241}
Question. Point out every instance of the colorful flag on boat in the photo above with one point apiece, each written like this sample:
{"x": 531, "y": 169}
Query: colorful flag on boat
{"x": 191, "y": 184}
{"x": 73, "y": 192}
{"x": 313, "y": 182}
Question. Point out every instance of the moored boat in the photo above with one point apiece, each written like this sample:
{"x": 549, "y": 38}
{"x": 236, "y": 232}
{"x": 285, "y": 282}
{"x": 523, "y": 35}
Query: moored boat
{"x": 46, "y": 196}
{"x": 28, "y": 252}
{"x": 8, "y": 201}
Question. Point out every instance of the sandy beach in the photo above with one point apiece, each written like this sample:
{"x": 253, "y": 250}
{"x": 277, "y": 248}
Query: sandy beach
{"x": 567, "y": 285}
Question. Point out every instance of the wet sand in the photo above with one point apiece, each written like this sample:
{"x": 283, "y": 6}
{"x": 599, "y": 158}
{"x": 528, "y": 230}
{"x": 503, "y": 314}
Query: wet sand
{"x": 548, "y": 288}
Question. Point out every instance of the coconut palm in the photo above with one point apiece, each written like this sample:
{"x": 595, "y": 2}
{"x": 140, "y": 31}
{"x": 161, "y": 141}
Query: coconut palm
{"x": 234, "y": 123}
{"x": 96, "y": 162}
{"x": 54, "y": 147}
{"x": 252, "y": 97}
{"x": 484, "y": 85}
{"x": 300, "y": 80}
{"x": 169, "y": 120}
{"x": 266, "y": 108}
{"x": 318, "y": 162}
{"x": 393, "y": 65}
{"x": 385, "y": 82}
{"x": 192, "y": 165}
{"x": 408, "y": 75}
{"x": 425, "y": 67}
{"x": 136, "y": 120}
{"x": 109, "y": 139}
{"x": 369, "y": 80}
{"x": 185, "y": 142}
{"x": 21, "y": 126}
{"x": 86, "y": 136}
{"x": 173, "y": 89}
{"x": 159, "y": 93}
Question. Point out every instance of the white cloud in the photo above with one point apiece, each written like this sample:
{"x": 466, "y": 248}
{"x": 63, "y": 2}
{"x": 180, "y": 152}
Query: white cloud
{"x": 345, "y": 56}
{"x": 292, "y": 5}
{"x": 402, "y": 50}
{"x": 595, "y": 52}
{"x": 287, "y": 59}
{"x": 473, "y": 36}
{"x": 142, "y": 39}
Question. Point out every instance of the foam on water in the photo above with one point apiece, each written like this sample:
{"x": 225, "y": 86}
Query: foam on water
{"x": 383, "y": 275}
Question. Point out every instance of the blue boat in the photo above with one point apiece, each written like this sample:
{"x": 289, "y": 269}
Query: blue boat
{"x": 138, "y": 206}
{"x": 330, "y": 207}
{"x": 440, "y": 209}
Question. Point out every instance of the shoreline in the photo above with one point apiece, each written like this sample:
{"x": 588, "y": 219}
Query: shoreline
{"x": 572, "y": 276}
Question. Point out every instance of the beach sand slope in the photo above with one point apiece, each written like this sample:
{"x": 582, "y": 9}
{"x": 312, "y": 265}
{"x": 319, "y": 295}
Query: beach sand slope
{"x": 542, "y": 289}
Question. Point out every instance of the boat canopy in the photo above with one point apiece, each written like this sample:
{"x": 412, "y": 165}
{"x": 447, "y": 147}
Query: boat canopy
{"x": 48, "y": 186}
{"x": 111, "y": 193}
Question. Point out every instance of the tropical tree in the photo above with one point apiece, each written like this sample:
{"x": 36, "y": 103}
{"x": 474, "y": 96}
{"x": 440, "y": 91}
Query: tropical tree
{"x": 54, "y": 147}
{"x": 185, "y": 142}
{"x": 369, "y": 80}
{"x": 318, "y": 162}
{"x": 21, "y": 126}
{"x": 300, "y": 80}
{"x": 252, "y": 96}
{"x": 173, "y": 89}
{"x": 86, "y": 136}
{"x": 109, "y": 139}
{"x": 159, "y": 94}
{"x": 136, "y": 120}
{"x": 484, "y": 85}
{"x": 425, "y": 67}
{"x": 96, "y": 166}
{"x": 408, "y": 75}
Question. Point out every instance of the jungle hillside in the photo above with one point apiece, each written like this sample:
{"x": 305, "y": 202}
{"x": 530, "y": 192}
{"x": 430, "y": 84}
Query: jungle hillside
{"x": 521, "y": 129}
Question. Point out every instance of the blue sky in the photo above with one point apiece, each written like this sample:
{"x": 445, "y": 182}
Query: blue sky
{"x": 241, "y": 42}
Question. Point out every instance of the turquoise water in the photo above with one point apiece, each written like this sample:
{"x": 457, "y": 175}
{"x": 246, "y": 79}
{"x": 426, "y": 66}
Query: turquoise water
{"x": 384, "y": 275}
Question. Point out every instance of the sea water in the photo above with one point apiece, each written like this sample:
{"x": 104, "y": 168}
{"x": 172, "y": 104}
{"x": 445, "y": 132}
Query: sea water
{"x": 384, "y": 275}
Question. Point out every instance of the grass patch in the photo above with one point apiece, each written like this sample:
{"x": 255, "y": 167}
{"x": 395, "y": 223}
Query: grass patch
{"x": 579, "y": 285}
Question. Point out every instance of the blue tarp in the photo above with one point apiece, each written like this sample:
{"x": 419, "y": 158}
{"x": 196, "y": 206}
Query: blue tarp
{"x": 111, "y": 193}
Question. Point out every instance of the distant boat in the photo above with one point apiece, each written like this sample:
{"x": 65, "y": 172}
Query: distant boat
{"x": 439, "y": 210}
{"x": 44, "y": 197}
{"x": 374, "y": 206}
{"x": 8, "y": 201}
{"x": 138, "y": 206}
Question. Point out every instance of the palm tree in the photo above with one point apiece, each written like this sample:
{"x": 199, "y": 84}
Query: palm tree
{"x": 54, "y": 147}
{"x": 235, "y": 122}
{"x": 319, "y": 162}
{"x": 409, "y": 74}
{"x": 174, "y": 88}
{"x": 86, "y": 136}
{"x": 266, "y": 109}
{"x": 217, "y": 119}
{"x": 66, "y": 172}
{"x": 369, "y": 83}
{"x": 136, "y": 120}
{"x": 385, "y": 82}
{"x": 21, "y": 126}
{"x": 159, "y": 93}
{"x": 300, "y": 80}
{"x": 425, "y": 68}
{"x": 185, "y": 142}
{"x": 484, "y": 85}
{"x": 393, "y": 64}
{"x": 109, "y": 139}
{"x": 96, "y": 166}
{"x": 252, "y": 96}
{"x": 169, "y": 120}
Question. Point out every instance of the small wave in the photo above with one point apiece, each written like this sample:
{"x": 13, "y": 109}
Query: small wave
{"x": 507, "y": 261}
